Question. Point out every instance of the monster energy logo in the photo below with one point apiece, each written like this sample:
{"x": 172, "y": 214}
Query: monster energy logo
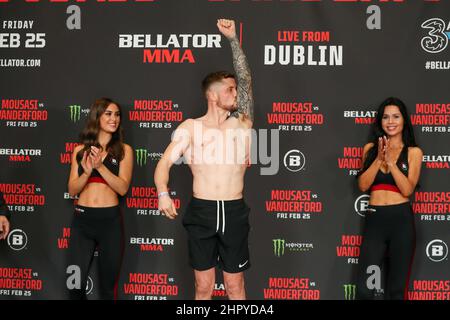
{"x": 350, "y": 291}
{"x": 75, "y": 113}
{"x": 278, "y": 247}
{"x": 141, "y": 156}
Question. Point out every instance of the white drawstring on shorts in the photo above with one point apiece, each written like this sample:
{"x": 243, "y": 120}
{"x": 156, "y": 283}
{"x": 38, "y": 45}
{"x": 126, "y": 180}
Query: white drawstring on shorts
{"x": 218, "y": 216}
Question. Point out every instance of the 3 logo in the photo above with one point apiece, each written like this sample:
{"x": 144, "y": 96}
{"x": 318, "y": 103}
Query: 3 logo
{"x": 438, "y": 35}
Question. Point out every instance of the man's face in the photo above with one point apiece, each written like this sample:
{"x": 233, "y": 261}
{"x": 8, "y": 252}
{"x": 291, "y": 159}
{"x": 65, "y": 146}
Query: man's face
{"x": 225, "y": 94}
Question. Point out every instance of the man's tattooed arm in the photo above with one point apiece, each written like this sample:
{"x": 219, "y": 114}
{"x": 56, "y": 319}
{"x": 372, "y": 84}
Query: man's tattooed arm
{"x": 244, "y": 81}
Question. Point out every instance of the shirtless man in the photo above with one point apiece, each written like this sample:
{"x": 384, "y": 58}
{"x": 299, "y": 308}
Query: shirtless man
{"x": 216, "y": 147}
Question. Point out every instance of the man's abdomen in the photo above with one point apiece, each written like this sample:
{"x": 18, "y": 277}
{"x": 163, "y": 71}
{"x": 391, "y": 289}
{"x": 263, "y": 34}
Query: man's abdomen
{"x": 218, "y": 182}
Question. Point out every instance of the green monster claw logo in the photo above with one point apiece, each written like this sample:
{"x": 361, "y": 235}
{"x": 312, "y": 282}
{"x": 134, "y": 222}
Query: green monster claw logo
{"x": 141, "y": 157}
{"x": 75, "y": 113}
{"x": 278, "y": 247}
{"x": 350, "y": 291}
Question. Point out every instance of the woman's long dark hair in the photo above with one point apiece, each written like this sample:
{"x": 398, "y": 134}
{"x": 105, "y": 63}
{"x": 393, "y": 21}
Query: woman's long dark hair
{"x": 377, "y": 130}
{"x": 89, "y": 135}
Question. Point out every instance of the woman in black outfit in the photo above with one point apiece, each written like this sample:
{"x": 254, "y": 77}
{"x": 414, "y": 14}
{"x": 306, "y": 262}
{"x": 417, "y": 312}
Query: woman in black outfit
{"x": 391, "y": 170}
{"x": 101, "y": 171}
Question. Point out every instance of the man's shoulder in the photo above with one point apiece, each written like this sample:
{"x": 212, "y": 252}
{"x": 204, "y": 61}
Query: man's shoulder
{"x": 186, "y": 128}
{"x": 240, "y": 121}
{"x": 186, "y": 124}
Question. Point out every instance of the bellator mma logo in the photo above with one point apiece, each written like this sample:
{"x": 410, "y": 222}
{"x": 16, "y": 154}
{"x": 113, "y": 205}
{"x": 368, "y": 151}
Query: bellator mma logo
{"x": 17, "y": 239}
{"x": 294, "y": 160}
{"x": 361, "y": 116}
{"x": 174, "y": 48}
{"x": 152, "y": 244}
{"x": 436, "y": 161}
{"x": 437, "y": 250}
{"x": 219, "y": 290}
{"x": 20, "y": 155}
{"x": 362, "y": 205}
{"x": 89, "y": 285}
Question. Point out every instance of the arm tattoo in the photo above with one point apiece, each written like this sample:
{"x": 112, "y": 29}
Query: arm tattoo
{"x": 244, "y": 81}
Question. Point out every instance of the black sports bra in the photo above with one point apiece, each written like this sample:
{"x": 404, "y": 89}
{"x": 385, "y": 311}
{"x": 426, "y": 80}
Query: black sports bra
{"x": 385, "y": 181}
{"x": 111, "y": 163}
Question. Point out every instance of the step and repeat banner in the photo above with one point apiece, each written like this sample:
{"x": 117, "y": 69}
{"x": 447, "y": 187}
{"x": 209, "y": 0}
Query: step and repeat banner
{"x": 320, "y": 69}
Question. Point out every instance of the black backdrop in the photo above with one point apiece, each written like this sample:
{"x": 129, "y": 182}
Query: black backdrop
{"x": 315, "y": 107}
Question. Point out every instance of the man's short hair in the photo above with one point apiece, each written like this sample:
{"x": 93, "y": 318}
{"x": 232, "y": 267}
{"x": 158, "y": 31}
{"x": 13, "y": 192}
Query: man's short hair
{"x": 215, "y": 77}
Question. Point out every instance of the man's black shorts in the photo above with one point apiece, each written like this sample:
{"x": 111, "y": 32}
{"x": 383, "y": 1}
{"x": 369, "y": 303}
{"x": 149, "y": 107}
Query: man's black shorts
{"x": 218, "y": 233}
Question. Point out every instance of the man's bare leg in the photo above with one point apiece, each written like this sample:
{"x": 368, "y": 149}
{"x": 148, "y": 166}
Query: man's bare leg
{"x": 204, "y": 283}
{"x": 234, "y": 285}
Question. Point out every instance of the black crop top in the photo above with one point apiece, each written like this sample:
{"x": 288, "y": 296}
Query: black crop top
{"x": 111, "y": 163}
{"x": 387, "y": 178}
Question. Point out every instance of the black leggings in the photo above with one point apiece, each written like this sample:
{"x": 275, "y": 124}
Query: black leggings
{"x": 387, "y": 229}
{"x": 101, "y": 229}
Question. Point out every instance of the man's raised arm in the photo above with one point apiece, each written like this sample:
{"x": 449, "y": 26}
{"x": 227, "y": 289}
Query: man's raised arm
{"x": 242, "y": 70}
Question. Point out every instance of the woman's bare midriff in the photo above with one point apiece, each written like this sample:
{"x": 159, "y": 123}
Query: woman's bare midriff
{"x": 386, "y": 198}
{"x": 97, "y": 195}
